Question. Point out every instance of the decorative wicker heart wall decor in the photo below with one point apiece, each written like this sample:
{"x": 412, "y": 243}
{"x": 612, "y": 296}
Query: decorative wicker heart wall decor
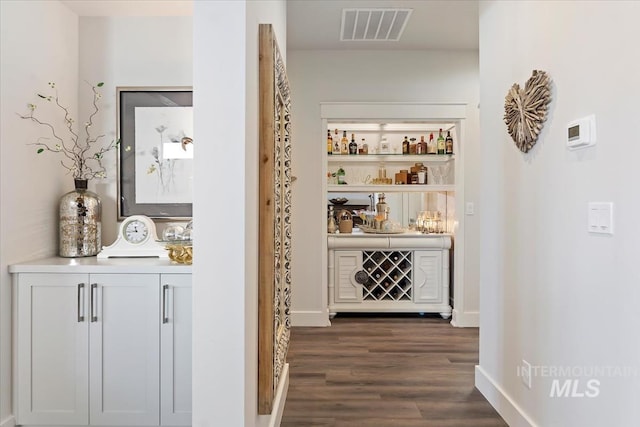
{"x": 526, "y": 110}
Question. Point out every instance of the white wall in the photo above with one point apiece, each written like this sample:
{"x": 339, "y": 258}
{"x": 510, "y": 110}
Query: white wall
{"x": 226, "y": 168}
{"x": 141, "y": 51}
{"x": 39, "y": 44}
{"x": 551, "y": 293}
{"x": 374, "y": 76}
{"x": 225, "y": 354}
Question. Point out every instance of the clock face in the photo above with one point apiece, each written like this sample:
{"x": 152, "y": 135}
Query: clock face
{"x": 135, "y": 232}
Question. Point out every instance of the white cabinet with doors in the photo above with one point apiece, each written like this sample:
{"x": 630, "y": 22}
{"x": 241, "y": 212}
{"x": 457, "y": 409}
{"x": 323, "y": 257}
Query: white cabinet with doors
{"x": 175, "y": 350}
{"x": 408, "y": 273}
{"x": 102, "y": 342}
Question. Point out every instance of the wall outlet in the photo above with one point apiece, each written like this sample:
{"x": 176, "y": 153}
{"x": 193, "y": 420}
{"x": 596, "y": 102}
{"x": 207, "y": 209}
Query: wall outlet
{"x": 525, "y": 373}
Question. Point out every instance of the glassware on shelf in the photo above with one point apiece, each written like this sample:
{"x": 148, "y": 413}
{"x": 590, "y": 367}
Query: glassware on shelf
{"x": 444, "y": 173}
{"x": 172, "y": 233}
{"x": 437, "y": 222}
{"x": 331, "y": 222}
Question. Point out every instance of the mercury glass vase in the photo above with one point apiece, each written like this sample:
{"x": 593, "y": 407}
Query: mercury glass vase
{"x": 80, "y": 222}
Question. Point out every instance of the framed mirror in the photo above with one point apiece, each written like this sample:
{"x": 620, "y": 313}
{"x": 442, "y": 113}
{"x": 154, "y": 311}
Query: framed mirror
{"x": 274, "y": 265}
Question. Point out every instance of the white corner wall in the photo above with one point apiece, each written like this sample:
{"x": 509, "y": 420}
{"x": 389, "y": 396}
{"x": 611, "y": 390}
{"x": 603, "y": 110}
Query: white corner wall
{"x": 552, "y": 293}
{"x": 370, "y": 76}
{"x": 39, "y": 44}
{"x": 140, "y": 51}
{"x": 225, "y": 289}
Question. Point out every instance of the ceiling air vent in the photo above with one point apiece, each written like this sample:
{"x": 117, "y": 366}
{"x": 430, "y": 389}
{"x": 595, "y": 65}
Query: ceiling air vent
{"x": 373, "y": 24}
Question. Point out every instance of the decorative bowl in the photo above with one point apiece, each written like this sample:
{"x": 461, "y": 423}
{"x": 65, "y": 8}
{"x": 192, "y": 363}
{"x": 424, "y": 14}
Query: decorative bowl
{"x": 339, "y": 201}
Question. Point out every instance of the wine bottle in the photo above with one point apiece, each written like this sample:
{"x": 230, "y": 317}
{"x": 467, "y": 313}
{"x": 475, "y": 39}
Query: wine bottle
{"x": 353, "y": 147}
{"x": 405, "y": 146}
{"x": 431, "y": 145}
{"x": 441, "y": 144}
{"x": 329, "y": 143}
{"x": 448, "y": 142}
{"x": 344, "y": 143}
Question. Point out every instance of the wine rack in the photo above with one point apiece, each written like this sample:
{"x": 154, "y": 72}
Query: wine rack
{"x": 389, "y": 276}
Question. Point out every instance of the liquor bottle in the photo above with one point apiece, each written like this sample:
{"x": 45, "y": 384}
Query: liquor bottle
{"x": 353, "y": 147}
{"x": 448, "y": 142}
{"x": 422, "y": 146}
{"x": 413, "y": 147}
{"x": 329, "y": 143}
{"x": 405, "y": 146}
{"x": 365, "y": 147}
{"x": 431, "y": 145}
{"x": 441, "y": 143}
{"x": 336, "y": 143}
{"x": 344, "y": 143}
{"x": 381, "y": 206}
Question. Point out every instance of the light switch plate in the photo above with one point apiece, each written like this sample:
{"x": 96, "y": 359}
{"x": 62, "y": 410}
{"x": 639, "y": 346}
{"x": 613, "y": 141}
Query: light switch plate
{"x": 469, "y": 208}
{"x": 600, "y": 218}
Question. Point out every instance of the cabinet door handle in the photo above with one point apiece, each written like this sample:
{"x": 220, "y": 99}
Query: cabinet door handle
{"x": 165, "y": 301}
{"x": 80, "y": 302}
{"x": 94, "y": 316}
{"x": 361, "y": 277}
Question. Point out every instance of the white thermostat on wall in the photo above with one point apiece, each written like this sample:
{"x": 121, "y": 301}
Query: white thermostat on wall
{"x": 581, "y": 133}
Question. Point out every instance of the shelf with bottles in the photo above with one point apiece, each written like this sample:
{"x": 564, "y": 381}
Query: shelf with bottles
{"x": 335, "y": 159}
{"x": 390, "y": 188}
{"x": 406, "y": 176}
{"x": 389, "y": 139}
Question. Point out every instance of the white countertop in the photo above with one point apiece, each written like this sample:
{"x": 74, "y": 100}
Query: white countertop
{"x": 409, "y": 233}
{"x": 371, "y": 241}
{"x": 95, "y": 265}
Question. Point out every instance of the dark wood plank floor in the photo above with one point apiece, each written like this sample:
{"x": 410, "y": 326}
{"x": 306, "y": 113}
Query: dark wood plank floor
{"x": 391, "y": 371}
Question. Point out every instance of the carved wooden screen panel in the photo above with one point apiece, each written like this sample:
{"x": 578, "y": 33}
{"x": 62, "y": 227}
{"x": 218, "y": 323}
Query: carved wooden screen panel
{"x": 274, "y": 281}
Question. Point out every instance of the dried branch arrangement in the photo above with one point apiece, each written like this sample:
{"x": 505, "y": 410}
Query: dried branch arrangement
{"x": 526, "y": 110}
{"x": 82, "y": 155}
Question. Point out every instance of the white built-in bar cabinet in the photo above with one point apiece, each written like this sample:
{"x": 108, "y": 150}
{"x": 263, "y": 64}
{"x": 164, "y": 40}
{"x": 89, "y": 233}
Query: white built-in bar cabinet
{"x": 102, "y": 342}
{"x": 406, "y": 270}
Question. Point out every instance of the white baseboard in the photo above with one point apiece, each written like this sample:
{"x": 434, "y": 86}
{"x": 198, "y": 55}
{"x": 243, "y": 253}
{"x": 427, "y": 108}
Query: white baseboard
{"x": 280, "y": 398}
{"x": 467, "y": 319}
{"x": 501, "y": 401}
{"x": 310, "y": 318}
{"x": 8, "y": 422}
